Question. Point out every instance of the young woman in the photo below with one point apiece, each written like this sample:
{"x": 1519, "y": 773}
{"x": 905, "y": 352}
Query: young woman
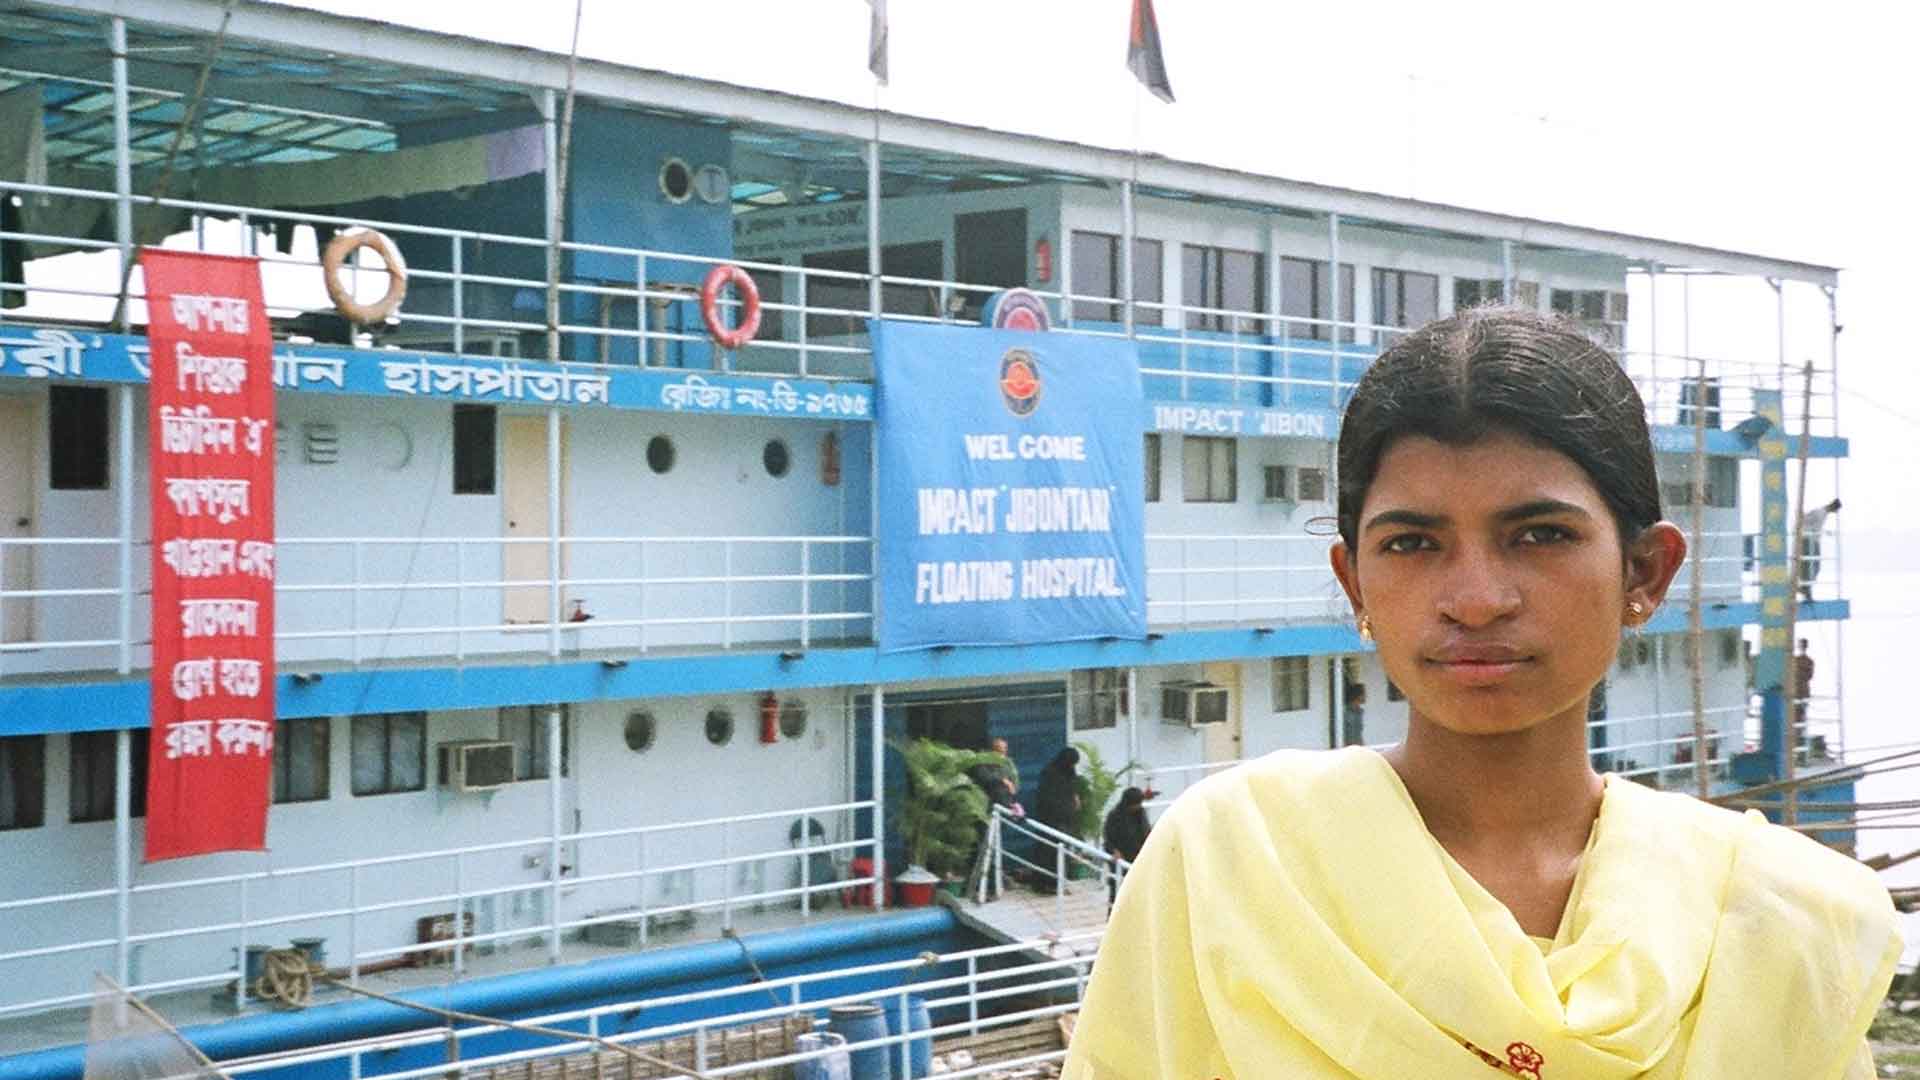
{"x": 1477, "y": 900}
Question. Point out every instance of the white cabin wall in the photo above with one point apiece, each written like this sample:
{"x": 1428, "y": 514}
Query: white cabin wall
{"x": 681, "y": 778}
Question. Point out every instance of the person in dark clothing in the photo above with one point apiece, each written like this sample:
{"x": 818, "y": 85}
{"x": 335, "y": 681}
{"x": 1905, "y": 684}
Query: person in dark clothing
{"x": 997, "y": 780}
{"x": 1125, "y": 832}
{"x": 1057, "y": 806}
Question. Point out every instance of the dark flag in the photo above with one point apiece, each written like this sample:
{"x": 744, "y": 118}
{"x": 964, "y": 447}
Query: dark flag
{"x": 1144, "y": 57}
{"x": 877, "y": 41}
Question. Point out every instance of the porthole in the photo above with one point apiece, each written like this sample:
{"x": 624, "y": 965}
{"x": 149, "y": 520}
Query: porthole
{"x": 776, "y": 458}
{"x": 676, "y": 180}
{"x": 793, "y": 719}
{"x": 719, "y": 727}
{"x": 639, "y": 731}
{"x": 660, "y": 453}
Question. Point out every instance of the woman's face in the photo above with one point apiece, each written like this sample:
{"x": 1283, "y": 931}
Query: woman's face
{"x": 1494, "y": 580}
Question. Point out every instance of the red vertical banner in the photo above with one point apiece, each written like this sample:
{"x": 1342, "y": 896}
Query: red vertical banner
{"x": 210, "y": 425}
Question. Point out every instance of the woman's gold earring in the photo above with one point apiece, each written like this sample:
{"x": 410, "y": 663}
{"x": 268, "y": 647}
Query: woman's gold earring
{"x": 1366, "y": 628}
{"x": 1635, "y": 608}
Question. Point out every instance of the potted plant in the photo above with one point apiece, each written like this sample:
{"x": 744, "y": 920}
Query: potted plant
{"x": 1098, "y": 786}
{"x": 941, "y": 814}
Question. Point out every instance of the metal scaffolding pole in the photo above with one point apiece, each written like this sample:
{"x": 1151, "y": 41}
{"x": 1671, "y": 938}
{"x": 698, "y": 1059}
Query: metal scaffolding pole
{"x": 1133, "y": 722}
{"x": 878, "y": 722}
{"x": 122, "y": 167}
{"x": 550, "y": 197}
{"x": 1127, "y": 230}
{"x": 1333, "y": 302}
{"x": 554, "y": 476}
{"x": 1839, "y": 549}
{"x": 123, "y": 737}
{"x": 553, "y": 836}
{"x": 873, "y": 219}
{"x": 1506, "y": 273}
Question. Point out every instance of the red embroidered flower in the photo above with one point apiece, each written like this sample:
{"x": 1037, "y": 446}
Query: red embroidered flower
{"x": 1525, "y": 1059}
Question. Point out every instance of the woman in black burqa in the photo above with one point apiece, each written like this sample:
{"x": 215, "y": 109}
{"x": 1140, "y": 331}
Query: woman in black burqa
{"x": 1059, "y": 802}
{"x": 1058, "y": 806}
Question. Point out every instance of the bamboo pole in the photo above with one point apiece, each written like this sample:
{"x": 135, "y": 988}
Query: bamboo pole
{"x": 1790, "y": 807}
{"x": 1696, "y": 589}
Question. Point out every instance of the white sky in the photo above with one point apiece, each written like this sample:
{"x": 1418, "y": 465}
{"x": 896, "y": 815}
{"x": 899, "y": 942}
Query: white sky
{"x": 1760, "y": 127}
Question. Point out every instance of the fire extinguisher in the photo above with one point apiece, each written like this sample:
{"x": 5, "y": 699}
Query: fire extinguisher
{"x": 769, "y": 718}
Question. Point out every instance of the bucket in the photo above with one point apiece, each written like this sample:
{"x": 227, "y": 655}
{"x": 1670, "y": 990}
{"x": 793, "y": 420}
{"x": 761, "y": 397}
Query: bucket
{"x": 919, "y": 1051}
{"x": 858, "y": 1024}
{"x": 916, "y": 887}
{"x": 829, "y": 1066}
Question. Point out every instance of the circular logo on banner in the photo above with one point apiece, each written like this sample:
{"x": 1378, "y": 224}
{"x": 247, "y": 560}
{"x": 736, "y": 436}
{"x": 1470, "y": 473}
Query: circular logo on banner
{"x": 1016, "y": 309}
{"x": 1020, "y": 382}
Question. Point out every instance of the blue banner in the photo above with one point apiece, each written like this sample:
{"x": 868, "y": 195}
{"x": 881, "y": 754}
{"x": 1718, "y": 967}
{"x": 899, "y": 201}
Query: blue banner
{"x": 40, "y": 353}
{"x": 1012, "y": 492}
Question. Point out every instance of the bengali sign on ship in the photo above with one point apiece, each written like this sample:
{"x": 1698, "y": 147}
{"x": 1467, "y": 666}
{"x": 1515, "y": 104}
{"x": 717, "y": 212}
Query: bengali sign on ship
{"x": 1011, "y": 487}
{"x": 211, "y": 447}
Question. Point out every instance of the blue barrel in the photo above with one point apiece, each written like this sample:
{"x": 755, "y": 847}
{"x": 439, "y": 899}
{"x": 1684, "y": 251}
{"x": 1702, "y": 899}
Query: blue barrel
{"x": 863, "y": 1023}
{"x": 919, "y": 1051}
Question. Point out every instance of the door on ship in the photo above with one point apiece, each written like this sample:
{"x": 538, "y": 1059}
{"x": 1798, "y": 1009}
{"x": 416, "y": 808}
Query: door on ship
{"x": 1222, "y": 742}
{"x": 989, "y": 248}
{"x": 523, "y": 500}
{"x": 18, "y": 447}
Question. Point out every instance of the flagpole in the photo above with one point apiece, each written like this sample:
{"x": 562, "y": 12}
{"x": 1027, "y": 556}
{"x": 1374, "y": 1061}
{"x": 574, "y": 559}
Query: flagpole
{"x": 1127, "y": 223}
{"x": 877, "y": 40}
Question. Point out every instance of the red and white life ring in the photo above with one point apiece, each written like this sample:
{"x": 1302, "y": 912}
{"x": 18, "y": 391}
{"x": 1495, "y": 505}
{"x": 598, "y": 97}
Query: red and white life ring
{"x": 344, "y": 245}
{"x": 719, "y": 278}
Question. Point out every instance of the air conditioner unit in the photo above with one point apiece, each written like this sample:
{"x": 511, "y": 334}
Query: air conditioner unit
{"x": 1195, "y": 704}
{"x": 476, "y": 765}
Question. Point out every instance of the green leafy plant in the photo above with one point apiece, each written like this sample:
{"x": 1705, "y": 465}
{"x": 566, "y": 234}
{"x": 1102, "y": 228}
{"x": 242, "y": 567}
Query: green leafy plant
{"x": 1098, "y": 786}
{"x": 940, "y": 817}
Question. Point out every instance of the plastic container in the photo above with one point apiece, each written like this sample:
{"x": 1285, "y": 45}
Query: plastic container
{"x": 830, "y": 1066}
{"x": 916, "y": 887}
{"x": 858, "y": 1024}
{"x": 919, "y": 1051}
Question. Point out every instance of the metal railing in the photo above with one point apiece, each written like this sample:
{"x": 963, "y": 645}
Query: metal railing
{"x": 363, "y": 599}
{"x": 1669, "y": 384}
{"x": 1041, "y": 838}
{"x": 1237, "y": 578}
{"x": 355, "y": 599}
{"x": 984, "y": 982}
{"x": 348, "y": 897}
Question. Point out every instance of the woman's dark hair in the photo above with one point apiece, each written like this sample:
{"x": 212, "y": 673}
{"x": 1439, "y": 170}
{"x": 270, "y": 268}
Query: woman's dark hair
{"x": 1065, "y": 759}
{"x": 1503, "y": 369}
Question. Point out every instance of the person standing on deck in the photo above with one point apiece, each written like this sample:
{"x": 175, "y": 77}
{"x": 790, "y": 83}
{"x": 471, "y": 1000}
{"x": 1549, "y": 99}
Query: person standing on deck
{"x": 1811, "y": 525}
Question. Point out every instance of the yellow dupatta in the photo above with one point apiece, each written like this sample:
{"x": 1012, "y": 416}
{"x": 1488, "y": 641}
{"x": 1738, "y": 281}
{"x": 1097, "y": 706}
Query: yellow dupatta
{"x": 1294, "y": 918}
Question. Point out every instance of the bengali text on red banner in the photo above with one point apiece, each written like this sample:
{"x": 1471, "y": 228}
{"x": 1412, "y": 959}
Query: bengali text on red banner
{"x": 211, "y": 453}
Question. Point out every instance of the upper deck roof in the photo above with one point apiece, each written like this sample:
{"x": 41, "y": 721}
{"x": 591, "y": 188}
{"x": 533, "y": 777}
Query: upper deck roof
{"x": 355, "y": 79}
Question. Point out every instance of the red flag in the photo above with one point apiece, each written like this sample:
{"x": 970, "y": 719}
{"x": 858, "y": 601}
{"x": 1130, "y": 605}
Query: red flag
{"x": 210, "y": 419}
{"x": 1144, "y": 57}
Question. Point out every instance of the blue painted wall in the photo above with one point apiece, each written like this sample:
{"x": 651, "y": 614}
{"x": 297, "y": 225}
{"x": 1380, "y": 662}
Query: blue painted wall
{"x": 614, "y": 197}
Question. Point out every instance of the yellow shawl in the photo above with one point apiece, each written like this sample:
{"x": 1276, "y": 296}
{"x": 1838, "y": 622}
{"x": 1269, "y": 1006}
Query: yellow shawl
{"x": 1294, "y": 918}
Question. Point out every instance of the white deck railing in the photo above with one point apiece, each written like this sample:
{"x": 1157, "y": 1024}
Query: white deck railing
{"x": 985, "y": 981}
{"x": 629, "y": 305}
{"x": 356, "y": 600}
{"x": 204, "y": 926}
